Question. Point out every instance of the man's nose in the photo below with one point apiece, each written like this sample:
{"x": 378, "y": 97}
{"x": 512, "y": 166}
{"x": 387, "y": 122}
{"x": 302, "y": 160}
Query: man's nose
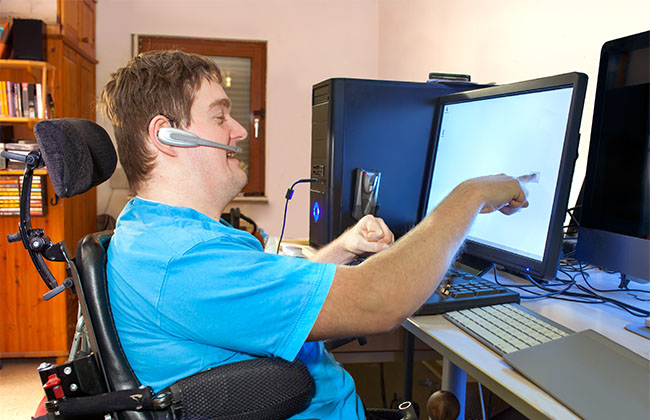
{"x": 237, "y": 131}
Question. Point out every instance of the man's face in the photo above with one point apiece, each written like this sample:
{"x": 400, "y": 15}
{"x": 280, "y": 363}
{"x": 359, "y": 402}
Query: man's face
{"x": 211, "y": 120}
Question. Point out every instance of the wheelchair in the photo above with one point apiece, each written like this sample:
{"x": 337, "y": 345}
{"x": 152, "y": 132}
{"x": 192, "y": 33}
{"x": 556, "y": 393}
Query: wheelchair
{"x": 97, "y": 382}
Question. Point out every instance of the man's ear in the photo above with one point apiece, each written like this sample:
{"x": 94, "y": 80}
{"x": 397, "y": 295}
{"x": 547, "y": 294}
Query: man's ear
{"x": 156, "y": 124}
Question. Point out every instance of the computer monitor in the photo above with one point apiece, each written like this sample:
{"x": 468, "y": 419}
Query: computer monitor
{"x": 516, "y": 129}
{"x": 615, "y": 221}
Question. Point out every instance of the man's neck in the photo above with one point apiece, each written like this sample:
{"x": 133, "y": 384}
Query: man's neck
{"x": 176, "y": 197}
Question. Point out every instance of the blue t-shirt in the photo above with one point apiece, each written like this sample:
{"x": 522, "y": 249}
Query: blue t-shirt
{"x": 189, "y": 293}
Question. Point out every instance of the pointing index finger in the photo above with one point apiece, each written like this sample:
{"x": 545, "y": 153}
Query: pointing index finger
{"x": 531, "y": 177}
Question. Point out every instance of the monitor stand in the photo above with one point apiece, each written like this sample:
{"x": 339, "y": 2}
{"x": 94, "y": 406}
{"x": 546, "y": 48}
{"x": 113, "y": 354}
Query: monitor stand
{"x": 474, "y": 265}
{"x": 641, "y": 329}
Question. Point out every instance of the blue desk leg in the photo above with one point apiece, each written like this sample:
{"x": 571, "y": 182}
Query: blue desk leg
{"x": 454, "y": 379}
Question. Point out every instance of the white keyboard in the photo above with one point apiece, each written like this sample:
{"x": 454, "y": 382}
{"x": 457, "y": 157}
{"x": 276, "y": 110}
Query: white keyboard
{"x": 508, "y": 327}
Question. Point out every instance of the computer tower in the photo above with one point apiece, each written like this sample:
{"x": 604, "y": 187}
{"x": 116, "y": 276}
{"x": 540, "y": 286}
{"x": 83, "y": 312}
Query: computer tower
{"x": 377, "y": 125}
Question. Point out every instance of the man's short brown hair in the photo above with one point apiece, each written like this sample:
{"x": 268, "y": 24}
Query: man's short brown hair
{"x": 153, "y": 83}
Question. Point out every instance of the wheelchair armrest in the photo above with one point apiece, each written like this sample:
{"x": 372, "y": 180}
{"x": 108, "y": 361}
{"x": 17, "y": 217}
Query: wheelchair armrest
{"x": 334, "y": 343}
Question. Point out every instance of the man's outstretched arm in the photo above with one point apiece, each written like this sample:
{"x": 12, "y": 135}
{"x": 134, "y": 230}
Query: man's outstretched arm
{"x": 377, "y": 295}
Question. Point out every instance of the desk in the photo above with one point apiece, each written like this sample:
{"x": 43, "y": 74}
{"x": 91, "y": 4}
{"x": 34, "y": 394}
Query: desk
{"x": 463, "y": 351}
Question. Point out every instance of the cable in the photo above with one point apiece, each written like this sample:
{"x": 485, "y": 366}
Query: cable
{"x": 288, "y": 197}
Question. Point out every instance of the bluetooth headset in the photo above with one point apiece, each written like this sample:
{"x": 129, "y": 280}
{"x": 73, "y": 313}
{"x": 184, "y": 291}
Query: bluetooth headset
{"x": 180, "y": 138}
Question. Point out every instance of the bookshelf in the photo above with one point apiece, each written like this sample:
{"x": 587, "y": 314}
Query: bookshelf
{"x": 37, "y": 72}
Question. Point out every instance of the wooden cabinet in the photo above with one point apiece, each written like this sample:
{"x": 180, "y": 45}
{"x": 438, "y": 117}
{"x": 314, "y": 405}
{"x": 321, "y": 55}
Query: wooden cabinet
{"x": 77, "y": 18}
{"x": 29, "y": 326}
{"x": 74, "y": 84}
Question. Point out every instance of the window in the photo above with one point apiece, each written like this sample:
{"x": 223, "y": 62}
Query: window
{"x": 243, "y": 64}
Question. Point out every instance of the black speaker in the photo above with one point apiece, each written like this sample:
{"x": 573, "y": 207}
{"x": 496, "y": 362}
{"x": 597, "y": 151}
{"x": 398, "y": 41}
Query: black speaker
{"x": 29, "y": 39}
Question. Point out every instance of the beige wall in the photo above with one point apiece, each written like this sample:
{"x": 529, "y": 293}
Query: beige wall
{"x": 506, "y": 41}
{"x": 312, "y": 40}
{"x": 308, "y": 41}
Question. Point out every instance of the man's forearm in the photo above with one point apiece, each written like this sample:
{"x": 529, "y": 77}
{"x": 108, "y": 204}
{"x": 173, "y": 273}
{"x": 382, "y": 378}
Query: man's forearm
{"x": 402, "y": 278}
{"x": 378, "y": 294}
{"x": 334, "y": 252}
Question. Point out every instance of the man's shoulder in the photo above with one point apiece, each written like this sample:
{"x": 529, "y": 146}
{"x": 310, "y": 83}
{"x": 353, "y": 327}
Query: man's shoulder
{"x": 168, "y": 229}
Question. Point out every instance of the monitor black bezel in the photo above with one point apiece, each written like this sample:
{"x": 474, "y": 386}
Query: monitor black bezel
{"x": 614, "y": 250}
{"x": 547, "y": 268}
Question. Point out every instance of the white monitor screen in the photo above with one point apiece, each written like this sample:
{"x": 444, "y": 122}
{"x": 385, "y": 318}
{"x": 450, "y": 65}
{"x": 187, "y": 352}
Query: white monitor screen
{"x": 516, "y": 135}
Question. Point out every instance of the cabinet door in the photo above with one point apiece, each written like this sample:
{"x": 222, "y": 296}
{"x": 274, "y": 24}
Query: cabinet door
{"x": 88, "y": 98}
{"x": 71, "y": 88}
{"x": 69, "y": 15}
{"x": 87, "y": 26}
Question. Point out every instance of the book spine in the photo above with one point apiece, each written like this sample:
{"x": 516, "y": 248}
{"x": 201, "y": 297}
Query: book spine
{"x": 25, "y": 98}
{"x": 10, "y": 99}
{"x": 39, "y": 101}
{"x": 18, "y": 94}
{"x": 31, "y": 98}
{"x": 4, "y": 109}
{"x": 50, "y": 106}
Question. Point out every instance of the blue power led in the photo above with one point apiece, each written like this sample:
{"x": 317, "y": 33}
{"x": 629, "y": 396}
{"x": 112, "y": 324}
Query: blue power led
{"x": 527, "y": 269}
{"x": 315, "y": 212}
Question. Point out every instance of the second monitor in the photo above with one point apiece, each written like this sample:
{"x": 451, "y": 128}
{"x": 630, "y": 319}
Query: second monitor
{"x": 515, "y": 129}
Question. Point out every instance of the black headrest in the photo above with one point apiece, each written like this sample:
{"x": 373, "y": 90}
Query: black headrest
{"x": 78, "y": 154}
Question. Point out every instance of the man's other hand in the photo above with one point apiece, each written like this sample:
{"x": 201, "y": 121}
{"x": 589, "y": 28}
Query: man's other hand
{"x": 369, "y": 235}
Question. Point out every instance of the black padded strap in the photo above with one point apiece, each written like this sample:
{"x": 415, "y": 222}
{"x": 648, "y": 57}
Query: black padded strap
{"x": 133, "y": 399}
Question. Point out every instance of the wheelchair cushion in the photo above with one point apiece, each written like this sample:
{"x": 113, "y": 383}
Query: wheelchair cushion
{"x": 266, "y": 388}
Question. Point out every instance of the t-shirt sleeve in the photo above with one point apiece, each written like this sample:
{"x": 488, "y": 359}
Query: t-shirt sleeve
{"x": 242, "y": 299}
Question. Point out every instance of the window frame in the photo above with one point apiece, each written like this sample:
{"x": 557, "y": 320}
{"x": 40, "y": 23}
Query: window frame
{"x": 256, "y": 52}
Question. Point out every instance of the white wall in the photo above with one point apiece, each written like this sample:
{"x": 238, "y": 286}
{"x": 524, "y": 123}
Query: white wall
{"x": 308, "y": 41}
{"x": 505, "y": 41}
{"x": 311, "y": 40}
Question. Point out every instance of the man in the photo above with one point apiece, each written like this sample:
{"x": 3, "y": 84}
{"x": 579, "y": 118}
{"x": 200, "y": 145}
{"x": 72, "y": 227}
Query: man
{"x": 189, "y": 293}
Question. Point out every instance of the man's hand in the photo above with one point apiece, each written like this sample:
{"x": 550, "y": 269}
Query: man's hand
{"x": 369, "y": 235}
{"x": 501, "y": 192}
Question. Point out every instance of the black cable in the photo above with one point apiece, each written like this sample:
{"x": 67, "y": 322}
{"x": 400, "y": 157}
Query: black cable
{"x": 288, "y": 197}
{"x": 622, "y": 289}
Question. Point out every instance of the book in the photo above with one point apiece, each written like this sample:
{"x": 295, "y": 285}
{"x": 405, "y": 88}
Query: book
{"x": 25, "y": 100}
{"x": 51, "y": 111}
{"x": 31, "y": 100}
{"x": 10, "y": 193}
{"x": 21, "y": 145}
{"x": 18, "y": 94}
{"x": 5, "y": 41}
{"x": 39, "y": 101}
{"x": 11, "y": 99}
{"x": 4, "y": 107}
